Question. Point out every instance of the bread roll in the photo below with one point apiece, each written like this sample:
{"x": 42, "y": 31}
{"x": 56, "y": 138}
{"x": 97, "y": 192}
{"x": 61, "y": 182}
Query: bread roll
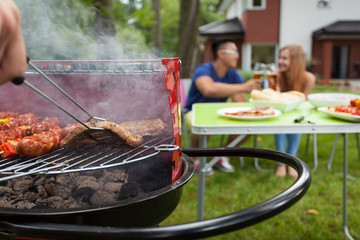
{"x": 274, "y": 96}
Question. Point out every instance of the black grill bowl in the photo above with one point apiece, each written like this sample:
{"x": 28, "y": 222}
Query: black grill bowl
{"x": 145, "y": 210}
{"x": 195, "y": 230}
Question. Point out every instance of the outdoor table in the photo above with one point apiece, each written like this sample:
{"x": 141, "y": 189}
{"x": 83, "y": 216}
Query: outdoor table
{"x": 207, "y": 122}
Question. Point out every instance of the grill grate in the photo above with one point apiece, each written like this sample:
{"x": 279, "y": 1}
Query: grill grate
{"x": 83, "y": 158}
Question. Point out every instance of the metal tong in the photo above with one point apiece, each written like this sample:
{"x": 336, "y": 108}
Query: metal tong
{"x": 21, "y": 80}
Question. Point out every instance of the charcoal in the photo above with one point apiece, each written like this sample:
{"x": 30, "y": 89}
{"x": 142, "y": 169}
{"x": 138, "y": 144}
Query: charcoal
{"x": 117, "y": 175}
{"x": 50, "y": 187}
{"x": 5, "y": 191}
{"x": 129, "y": 190}
{"x": 113, "y": 187}
{"x": 89, "y": 183}
{"x": 31, "y": 196}
{"x": 66, "y": 180}
{"x": 83, "y": 194}
{"x": 22, "y": 185}
{"x": 103, "y": 198}
{"x": 53, "y": 201}
{"x": 22, "y": 203}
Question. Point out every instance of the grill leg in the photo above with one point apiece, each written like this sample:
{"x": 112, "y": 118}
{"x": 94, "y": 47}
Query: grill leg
{"x": 201, "y": 184}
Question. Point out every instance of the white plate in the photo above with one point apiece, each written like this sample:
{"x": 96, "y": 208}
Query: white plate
{"x": 331, "y": 99}
{"x": 282, "y": 106}
{"x": 339, "y": 115}
{"x": 222, "y": 112}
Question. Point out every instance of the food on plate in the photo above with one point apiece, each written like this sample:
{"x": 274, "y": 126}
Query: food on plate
{"x": 80, "y": 134}
{"x": 353, "y": 110}
{"x": 355, "y": 102}
{"x": 254, "y": 112}
{"x": 274, "y": 96}
{"x": 345, "y": 109}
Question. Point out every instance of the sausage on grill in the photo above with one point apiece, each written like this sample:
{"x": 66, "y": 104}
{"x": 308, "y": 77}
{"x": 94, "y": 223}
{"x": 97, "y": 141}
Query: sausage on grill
{"x": 14, "y": 133}
{"x": 39, "y": 144}
{"x": 45, "y": 125}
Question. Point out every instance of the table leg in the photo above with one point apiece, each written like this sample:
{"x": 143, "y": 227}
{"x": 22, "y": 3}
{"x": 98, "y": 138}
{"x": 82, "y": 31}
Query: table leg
{"x": 333, "y": 152}
{"x": 346, "y": 230}
{"x": 315, "y": 152}
{"x": 201, "y": 183}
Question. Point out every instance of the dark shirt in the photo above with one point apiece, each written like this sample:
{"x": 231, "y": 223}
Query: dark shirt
{"x": 207, "y": 69}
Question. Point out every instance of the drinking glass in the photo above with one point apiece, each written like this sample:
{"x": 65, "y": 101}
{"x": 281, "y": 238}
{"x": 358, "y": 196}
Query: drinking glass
{"x": 259, "y": 70}
{"x": 271, "y": 76}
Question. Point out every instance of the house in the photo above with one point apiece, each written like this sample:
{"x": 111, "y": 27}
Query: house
{"x": 328, "y": 30}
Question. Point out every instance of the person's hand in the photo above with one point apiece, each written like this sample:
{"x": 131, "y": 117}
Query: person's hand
{"x": 253, "y": 84}
{"x": 12, "y": 46}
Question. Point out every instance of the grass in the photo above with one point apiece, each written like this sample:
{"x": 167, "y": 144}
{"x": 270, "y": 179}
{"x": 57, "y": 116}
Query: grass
{"x": 229, "y": 192}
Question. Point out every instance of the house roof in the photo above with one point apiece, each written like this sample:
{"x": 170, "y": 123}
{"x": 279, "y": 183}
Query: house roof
{"x": 339, "y": 28}
{"x": 226, "y": 27}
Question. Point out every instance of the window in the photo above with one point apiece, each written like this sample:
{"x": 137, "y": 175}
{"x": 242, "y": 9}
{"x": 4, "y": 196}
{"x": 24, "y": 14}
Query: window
{"x": 263, "y": 53}
{"x": 256, "y": 4}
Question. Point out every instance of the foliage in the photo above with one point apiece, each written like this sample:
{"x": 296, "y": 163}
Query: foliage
{"x": 208, "y": 13}
{"x": 65, "y": 29}
{"x": 246, "y": 74}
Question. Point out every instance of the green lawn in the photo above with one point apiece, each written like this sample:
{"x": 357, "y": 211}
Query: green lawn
{"x": 229, "y": 192}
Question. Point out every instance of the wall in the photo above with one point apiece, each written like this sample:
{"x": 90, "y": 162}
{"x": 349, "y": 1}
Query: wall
{"x": 299, "y": 18}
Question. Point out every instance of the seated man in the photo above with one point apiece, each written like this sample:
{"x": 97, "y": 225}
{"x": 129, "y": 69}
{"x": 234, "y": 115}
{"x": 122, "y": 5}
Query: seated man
{"x": 215, "y": 82}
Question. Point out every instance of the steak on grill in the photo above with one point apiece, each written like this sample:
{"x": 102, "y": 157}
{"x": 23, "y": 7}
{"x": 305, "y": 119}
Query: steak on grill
{"x": 79, "y": 134}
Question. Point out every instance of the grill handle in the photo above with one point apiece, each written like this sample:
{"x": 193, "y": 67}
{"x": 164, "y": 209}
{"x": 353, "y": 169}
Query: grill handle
{"x": 201, "y": 229}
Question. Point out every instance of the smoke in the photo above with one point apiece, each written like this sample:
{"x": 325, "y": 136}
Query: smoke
{"x": 65, "y": 30}
{"x": 59, "y": 30}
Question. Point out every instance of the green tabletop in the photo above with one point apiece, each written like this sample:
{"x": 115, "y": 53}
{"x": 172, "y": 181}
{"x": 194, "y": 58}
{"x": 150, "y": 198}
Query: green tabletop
{"x": 206, "y": 121}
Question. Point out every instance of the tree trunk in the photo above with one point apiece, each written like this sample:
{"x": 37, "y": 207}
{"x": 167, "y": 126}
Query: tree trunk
{"x": 104, "y": 30}
{"x": 157, "y": 33}
{"x": 189, "y": 36}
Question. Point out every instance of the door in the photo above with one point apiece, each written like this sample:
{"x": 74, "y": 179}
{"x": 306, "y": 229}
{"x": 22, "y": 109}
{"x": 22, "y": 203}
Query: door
{"x": 340, "y": 62}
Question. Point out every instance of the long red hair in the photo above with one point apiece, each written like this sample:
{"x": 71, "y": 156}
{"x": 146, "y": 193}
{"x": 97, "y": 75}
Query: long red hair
{"x": 294, "y": 79}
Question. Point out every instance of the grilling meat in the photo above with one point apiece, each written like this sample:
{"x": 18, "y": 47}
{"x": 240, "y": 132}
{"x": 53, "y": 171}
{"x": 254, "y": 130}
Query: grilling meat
{"x": 68, "y": 129}
{"x": 39, "y": 144}
{"x": 21, "y": 120}
{"x": 8, "y": 115}
{"x": 79, "y": 134}
{"x": 45, "y": 125}
{"x": 143, "y": 128}
{"x": 14, "y": 133}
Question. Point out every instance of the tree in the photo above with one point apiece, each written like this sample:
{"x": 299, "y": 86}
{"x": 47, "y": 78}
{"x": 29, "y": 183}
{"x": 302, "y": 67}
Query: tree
{"x": 189, "y": 36}
{"x": 157, "y": 32}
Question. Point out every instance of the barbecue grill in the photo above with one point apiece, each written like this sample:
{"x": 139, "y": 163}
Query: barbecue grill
{"x": 153, "y": 174}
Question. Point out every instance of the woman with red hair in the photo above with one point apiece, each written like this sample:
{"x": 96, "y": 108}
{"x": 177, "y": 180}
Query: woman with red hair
{"x": 292, "y": 75}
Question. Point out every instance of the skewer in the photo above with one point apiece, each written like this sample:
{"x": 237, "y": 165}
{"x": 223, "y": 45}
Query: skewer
{"x": 20, "y": 80}
{"x": 63, "y": 92}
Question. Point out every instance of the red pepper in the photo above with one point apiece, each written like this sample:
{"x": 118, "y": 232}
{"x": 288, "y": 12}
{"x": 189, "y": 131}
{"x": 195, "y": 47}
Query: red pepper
{"x": 7, "y": 150}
